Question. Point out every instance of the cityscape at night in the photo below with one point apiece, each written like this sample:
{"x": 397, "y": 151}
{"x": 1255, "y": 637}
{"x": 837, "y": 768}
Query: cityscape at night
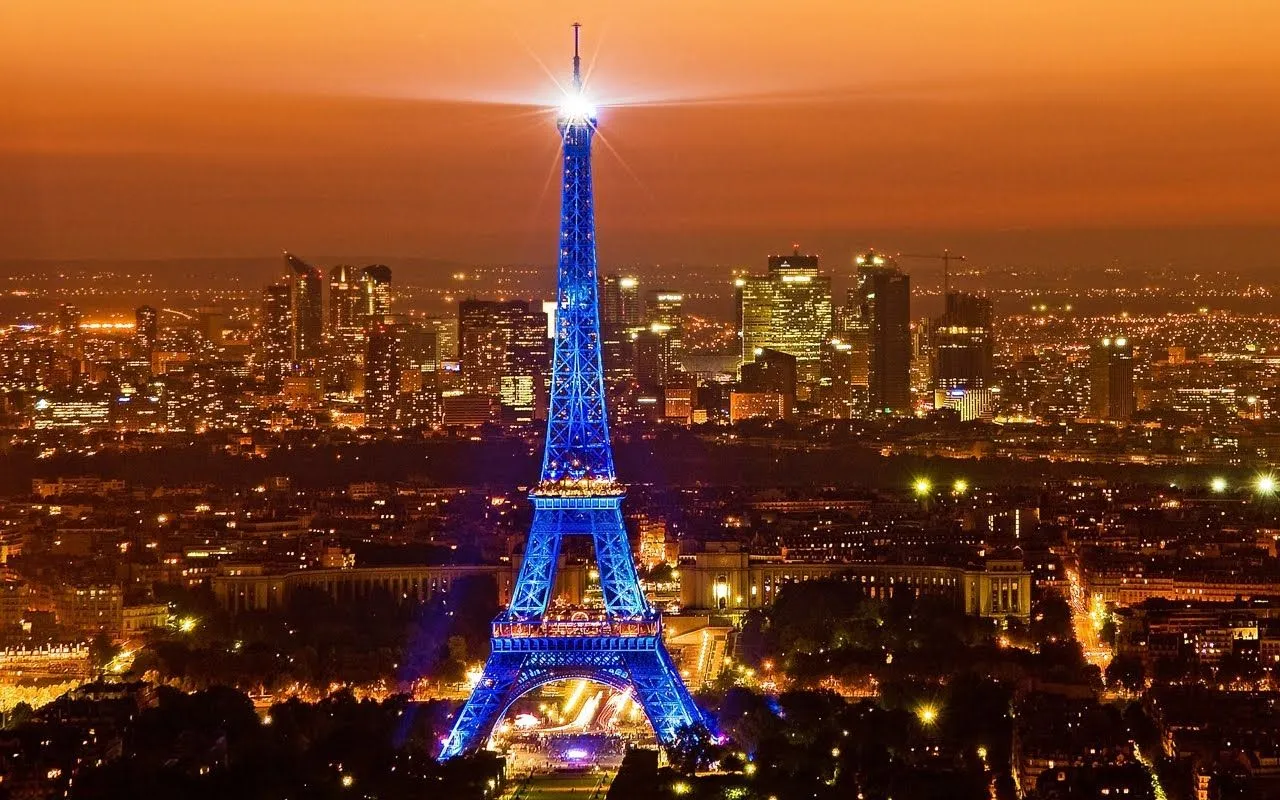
{"x": 730, "y": 402}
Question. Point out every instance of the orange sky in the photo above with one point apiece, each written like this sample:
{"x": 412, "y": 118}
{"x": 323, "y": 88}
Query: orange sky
{"x": 1035, "y": 131}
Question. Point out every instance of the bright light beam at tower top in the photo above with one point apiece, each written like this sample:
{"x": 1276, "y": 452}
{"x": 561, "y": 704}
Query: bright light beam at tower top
{"x": 575, "y": 107}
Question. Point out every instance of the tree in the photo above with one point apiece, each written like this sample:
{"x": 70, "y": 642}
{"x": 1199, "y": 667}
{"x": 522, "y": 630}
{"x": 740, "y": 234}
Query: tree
{"x": 1128, "y": 671}
{"x": 694, "y": 749}
{"x": 102, "y": 651}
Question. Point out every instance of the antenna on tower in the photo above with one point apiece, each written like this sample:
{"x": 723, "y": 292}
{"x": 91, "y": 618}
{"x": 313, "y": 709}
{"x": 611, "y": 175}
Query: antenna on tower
{"x": 577, "y": 62}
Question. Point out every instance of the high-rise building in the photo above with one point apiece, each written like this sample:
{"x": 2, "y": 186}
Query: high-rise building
{"x": 620, "y": 302}
{"x": 883, "y": 297}
{"x": 382, "y": 371}
{"x": 1111, "y": 379}
{"x": 146, "y": 331}
{"x": 838, "y": 395}
{"x": 788, "y": 309}
{"x": 772, "y": 371}
{"x": 960, "y": 351}
{"x": 503, "y": 353}
{"x": 346, "y": 333}
{"x": 401, "y": 376}
{"x": 275, "y": 334}
{"x": 664, "y": 317}
{"x": 306, "y": 286}
{"x": 961, "y": 343}
{"x": 344, "y": 298}
{"x": 621, "y": 317}
{"x": 375, "y": 293}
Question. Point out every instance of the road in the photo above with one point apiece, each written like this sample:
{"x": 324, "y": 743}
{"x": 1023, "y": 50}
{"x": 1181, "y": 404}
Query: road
{"x": 563, "y": 786}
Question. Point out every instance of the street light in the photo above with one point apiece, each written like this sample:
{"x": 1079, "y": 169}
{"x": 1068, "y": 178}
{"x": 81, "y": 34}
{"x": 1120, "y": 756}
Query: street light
{"x": 1218, "y": 485}
{"x": 960, "y": 486}
{"x": 927, "y": 714}
{"x": 922, "y": 487}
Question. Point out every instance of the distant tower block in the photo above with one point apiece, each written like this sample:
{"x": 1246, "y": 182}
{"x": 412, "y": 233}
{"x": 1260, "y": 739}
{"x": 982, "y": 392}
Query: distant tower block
{"x": 578, "y": 495}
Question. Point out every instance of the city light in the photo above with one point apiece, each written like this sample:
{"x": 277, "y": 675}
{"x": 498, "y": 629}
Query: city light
{"x": 1265, "y": 484}
{"x": 1218, "y": 485}
{"x": 927, "y": 714}
{"x": 188, "y": 624}
{"x": 681, "y": 788}
{"x": 922, "y": 487}
{"x": 960, "y": 486}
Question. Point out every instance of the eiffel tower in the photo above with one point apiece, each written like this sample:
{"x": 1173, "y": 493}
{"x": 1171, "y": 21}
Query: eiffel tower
{"x": 578, "y": 495}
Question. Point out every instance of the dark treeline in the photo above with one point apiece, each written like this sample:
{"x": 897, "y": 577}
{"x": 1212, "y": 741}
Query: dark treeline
{"x": 677, "y": 458}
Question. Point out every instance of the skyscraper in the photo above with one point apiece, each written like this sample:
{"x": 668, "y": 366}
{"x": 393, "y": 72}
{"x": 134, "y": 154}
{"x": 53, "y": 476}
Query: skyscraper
{"x": 346, "y": 335}
{"x": 146, "y": 330}
{"x": 275, "y": 334}
{"x": 883, "y": 296}
{"x": 1111, "y": 379}
{"x": 306, "y": 286}
{"x": 502, "y": 352}
{"x": 621, "y": 318}
{"x": 375, "y": 293}
{"x": 960, "y": 349}
{"x": 961, "y": 341}
{"x": 620, "y": 303}
{"x": 382, "y": 369}
{"x": 344, "y": 298}
{"x": 664, "y": 319}
{"x": 788, "y": 309}
{"x": 401, "y": 376}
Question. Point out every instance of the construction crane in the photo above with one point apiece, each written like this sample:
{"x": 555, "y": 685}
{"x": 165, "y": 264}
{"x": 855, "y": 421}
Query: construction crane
{"x": 946, "y": 258}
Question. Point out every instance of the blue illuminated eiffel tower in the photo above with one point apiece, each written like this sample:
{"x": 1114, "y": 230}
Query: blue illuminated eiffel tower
{"x": 578, "y": 495}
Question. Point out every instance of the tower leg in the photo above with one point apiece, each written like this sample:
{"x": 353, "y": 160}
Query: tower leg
{"x": 480, "y": 713}
{"x": 538, "y": 570}
{"x": 660, "y": 690}
{"x": 618, "y": 579}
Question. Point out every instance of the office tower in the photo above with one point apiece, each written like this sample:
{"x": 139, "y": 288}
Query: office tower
{"x": 788, "y": 309}
{"x": 960, "y": 348}
{"x": 1111, "y": 379}
{"x": 620, "y": 304}
{"x": 346, "y": 335}
{"x": 664, "y": 316}
{"x": 344, "y": 299}
{"x": 69, "y": 319}
{"x": 962, "y": 344}
{"x": 883, "y": 295}
{"x": 650, "y": 352}
{"x": 146, "y": 331}
{"x": 306, "y": 285}
{"x": 401, "y": 377}
{"x": 621, "y": 317}
{"x": 771, "y": 371}
{"x": 212, "y": 325}
{"x": 382, "y": 370}
{"x": 446, "y": 331}
{"x": 275, "y": 334}
{"x": 375, "y": 293}
{"x": 837, "y": 395}
{"x": 502, "y": 353}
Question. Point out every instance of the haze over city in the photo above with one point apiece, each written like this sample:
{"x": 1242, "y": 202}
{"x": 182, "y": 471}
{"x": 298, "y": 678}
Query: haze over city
{"x": 1040, "y": 134}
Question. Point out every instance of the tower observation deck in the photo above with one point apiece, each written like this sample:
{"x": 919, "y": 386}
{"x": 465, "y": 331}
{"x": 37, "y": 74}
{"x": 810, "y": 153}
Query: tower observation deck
{"x": 577, "y": 495}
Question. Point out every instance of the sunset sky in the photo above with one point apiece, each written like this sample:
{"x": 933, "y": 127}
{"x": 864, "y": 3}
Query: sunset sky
{"x": 1039, "y": 132}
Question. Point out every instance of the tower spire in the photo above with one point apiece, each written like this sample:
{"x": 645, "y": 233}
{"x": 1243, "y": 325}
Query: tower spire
{"x": 577, "y": 62}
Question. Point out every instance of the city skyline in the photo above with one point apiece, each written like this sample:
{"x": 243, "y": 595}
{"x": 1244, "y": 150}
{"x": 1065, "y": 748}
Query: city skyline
{"x": 993, "y": 134}
{"x": 834, "y": 521}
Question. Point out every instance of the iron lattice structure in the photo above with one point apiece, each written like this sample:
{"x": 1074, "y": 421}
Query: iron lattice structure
{"x": 578, "y": 495}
